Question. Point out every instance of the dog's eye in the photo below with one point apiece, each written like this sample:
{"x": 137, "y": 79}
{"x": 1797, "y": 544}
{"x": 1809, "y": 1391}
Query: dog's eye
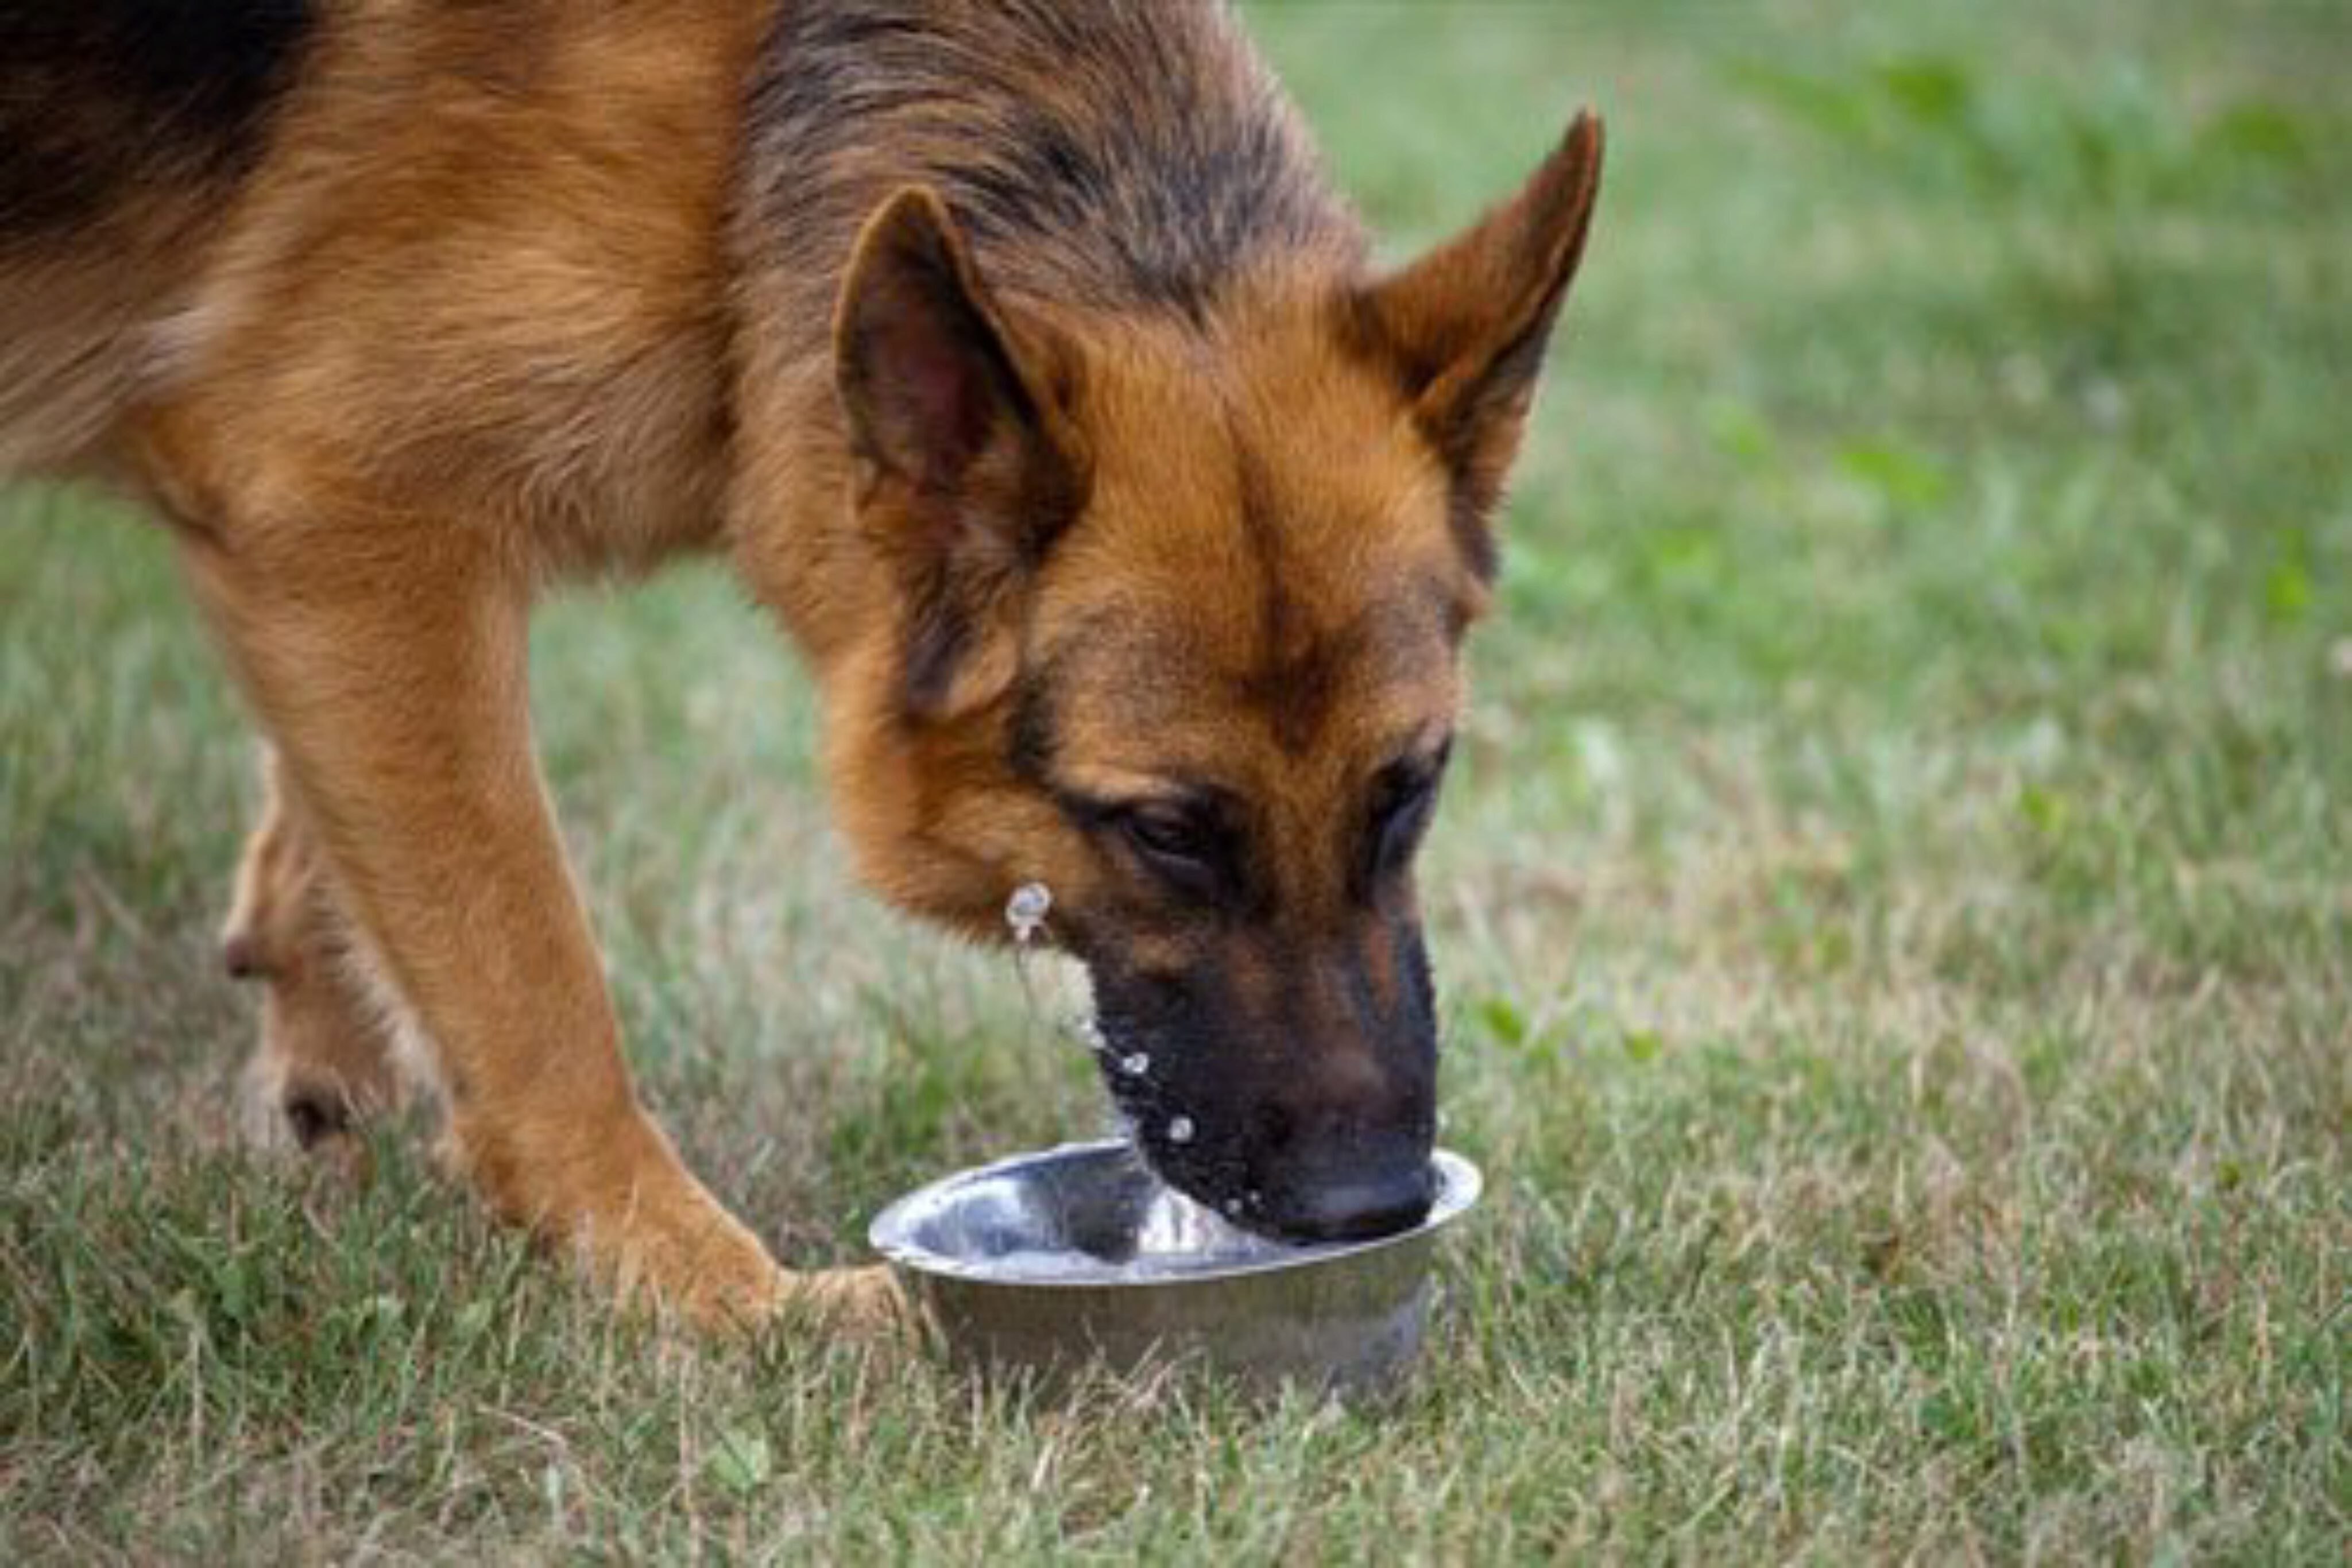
{"x": 1192, "y": 844}
{"x": 1403, "y": 799}
{"x": 1168, "y": 836}
{"x": 1190, "y": 850}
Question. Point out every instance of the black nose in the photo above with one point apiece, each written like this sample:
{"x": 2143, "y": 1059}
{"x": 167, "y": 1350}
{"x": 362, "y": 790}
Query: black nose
{"x": 1359, "y": 1207}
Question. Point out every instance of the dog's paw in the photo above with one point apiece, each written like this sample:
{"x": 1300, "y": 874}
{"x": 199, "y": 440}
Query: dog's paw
{"x": 301, "y": 1116}
{"x": 866, "y": 1305}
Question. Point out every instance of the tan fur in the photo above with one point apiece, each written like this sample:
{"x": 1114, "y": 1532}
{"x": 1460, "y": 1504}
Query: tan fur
{"x": 477, "y": 322}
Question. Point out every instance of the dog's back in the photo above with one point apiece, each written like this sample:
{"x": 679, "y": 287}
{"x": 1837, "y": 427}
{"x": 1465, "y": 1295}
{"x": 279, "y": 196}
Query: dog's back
{"x": 125, "y": 127}
{"x": 1122, "y": 155}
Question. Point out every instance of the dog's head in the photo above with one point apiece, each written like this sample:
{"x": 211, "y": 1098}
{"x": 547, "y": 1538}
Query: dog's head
{"x": 1183, "y": 607}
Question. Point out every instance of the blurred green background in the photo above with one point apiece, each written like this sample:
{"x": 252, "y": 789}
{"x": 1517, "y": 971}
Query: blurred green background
{"x": 1892, "y": 917}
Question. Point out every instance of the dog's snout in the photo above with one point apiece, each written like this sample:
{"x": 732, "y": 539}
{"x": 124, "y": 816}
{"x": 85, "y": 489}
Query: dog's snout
{"x": 1313, "y": 1121}
{"x": 1347, "y": 1165}
{"x": 1308, "y": 1111}
{"x": 1364, "y": 1206}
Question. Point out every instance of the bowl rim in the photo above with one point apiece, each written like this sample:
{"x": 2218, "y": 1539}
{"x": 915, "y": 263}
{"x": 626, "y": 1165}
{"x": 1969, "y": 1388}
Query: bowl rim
{"x": 1460, "y": 1186}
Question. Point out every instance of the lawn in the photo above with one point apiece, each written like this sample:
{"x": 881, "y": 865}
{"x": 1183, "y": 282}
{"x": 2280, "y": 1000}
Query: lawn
{"x": 1895, "y": 916}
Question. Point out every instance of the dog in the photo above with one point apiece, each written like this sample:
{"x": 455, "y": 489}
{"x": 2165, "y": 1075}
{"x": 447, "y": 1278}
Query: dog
{"x": 1017, "y": 354}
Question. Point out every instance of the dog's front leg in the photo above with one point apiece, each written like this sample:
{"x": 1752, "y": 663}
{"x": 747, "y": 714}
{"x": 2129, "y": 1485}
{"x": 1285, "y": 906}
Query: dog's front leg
{"x": 388, "y": 664}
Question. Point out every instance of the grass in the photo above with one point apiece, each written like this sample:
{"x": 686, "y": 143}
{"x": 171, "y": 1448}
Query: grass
{"x": 1894, "y": 919}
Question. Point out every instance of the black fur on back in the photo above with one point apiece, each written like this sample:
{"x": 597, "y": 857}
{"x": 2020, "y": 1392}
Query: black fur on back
{"x": 1120, "y": 154}
{"x": 98, "y": 94}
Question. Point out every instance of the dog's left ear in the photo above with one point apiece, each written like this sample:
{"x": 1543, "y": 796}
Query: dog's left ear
{"x": 1465, "y": 328}
{"x": 972, "y": 466}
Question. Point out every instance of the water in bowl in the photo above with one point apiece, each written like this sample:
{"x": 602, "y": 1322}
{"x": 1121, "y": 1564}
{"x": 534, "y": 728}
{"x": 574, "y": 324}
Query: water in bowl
{"x": 1174, "y": 1237}
{"x": 1102, "y": 1222}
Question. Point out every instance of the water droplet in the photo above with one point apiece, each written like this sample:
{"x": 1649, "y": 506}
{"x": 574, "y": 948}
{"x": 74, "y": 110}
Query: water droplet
{"x": 1025, "y": 910}
{"x": 1180, "y": 1130}
{"x": 1135, "y": 1066}
{"x": 1233, "y": 1205}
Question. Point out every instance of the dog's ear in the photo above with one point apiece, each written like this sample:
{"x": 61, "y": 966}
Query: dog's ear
{"x": 970, "y": 465}
{"x": 1465, "y": 328}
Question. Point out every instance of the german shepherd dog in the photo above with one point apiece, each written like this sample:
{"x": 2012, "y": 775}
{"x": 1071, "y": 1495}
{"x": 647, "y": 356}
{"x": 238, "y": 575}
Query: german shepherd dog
{"x": 1025, "y": 366}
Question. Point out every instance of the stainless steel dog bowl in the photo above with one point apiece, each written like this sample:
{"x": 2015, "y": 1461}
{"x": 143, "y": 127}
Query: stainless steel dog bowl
{"x": 1049, "y": 1260}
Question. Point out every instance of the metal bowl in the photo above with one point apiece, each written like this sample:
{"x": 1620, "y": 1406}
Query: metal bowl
{"x": 1048, "y": 1262}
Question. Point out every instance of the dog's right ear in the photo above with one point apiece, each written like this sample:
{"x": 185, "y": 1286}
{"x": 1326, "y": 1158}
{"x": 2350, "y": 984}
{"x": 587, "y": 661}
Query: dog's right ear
{"x": 972, "y": 463}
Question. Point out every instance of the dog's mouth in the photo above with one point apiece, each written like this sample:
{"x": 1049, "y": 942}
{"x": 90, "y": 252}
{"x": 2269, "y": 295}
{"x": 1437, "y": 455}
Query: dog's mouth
{"x": 1177, "y": 1130}
{"x": 1145, "y": 1105}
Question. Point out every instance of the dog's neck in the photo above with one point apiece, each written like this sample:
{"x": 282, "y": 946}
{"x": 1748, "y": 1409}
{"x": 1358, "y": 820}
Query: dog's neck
{"x": 1118, "y": 156}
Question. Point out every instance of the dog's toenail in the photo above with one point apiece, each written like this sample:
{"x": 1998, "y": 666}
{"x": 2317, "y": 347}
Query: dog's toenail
{"x": 241, "y": 957}
{"x": 315, "y": 1117}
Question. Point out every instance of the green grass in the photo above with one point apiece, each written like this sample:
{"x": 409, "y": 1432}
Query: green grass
{"x": 1896, "y": 917}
